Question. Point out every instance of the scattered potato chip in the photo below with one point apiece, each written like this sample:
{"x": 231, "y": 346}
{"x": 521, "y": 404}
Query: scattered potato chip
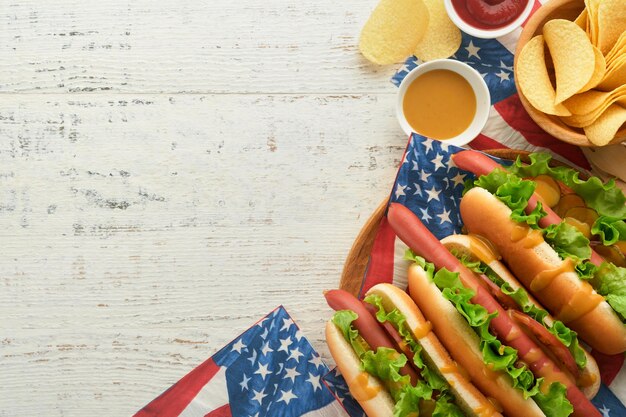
{"x": 442, "y": 37}
{"x": 603, "y": 130}
{"x": 393, "y": 30}
{"x": 611, "y": 23}
{"x": 534, "y": 81}
{"x": 598, "y": 73}
{"x": 573, "y": 56}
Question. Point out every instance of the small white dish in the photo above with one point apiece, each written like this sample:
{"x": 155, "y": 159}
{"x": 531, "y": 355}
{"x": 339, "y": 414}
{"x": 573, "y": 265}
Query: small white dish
{"x": 487, "y": 33}
{"x": 476, "y": 81}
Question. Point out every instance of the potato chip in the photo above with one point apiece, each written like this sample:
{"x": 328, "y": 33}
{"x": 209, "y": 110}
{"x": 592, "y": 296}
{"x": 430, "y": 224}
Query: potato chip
{"x": 615, "y": 75}
{"x": 603, "y": 130}
{"x": 598, "y": 73}
{"x": 588, "y": 107}
{"x": 442, "y": 37}
{"x": 581, "y": 20}
{"x": 534, "y": 81}
{"x": 393, "y": 30}
{"x": 573, "y": 56}
{"x": 611, "y": 23}
{"x": 591, "y": 6}
{"x": 618, "y": 49}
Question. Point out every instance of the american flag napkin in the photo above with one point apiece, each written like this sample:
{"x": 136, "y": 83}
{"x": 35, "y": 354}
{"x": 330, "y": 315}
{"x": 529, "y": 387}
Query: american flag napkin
{"x": 509, "y": 125}
{"x": 269, "y": 370}
{"x": 430, "y": 185}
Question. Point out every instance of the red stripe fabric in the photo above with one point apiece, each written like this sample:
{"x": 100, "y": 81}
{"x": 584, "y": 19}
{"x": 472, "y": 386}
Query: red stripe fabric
{"x": 173, "y": 401}
{"x": 514, "y": 114}
{"x": 609, "y": 365}
{"x": 482, "y": 142}
{"x": 380, "y": 267}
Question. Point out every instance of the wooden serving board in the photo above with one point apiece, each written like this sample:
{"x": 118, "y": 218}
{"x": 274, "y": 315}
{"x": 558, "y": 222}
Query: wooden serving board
{"x": 358, "y": 257}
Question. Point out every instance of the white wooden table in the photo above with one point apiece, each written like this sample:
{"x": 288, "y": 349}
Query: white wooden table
{"x": 169, "y": 173}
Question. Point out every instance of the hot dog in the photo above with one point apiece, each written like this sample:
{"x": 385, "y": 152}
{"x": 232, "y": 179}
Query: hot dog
{"x": 552, "y": 259}
{"x": 367, "y": 340}
{"x": 494, "y": 348}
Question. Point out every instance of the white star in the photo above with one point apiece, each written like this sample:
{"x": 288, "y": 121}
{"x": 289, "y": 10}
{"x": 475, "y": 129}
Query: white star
{"x": 472, "y": 50}
{"x": 315, "y": 381}
{"x": 265, "y": 333}
{"x": 400, "y": 190}
{"x": 445, "y": 216}
{"x": 428, "y": 144}
{"x": 286, "y": 324}
{"x": 438, "y": 162}
{"x": 317, "y": 361}
{"x": 280, "y": 367}
{"x": 484, "y": 75}
{"x": 415, "y": 168}
{"x": 238, "y": 346}
{"x": 298, "y": 335}
{"x": 458, "y": 179}
{"x": 266, "y": 348}
{"x": 503, "y": 65}
{"x": 287, "y": 396}
{"x": 284, "y": 344}
{"x": 418, "y": 189}
{"x": 295, "y": 354}
{"x": 605, "y": 411}
{"x": 424, "y": 176}
{"x": 503, "y": 76}
{"x": 244, "y": 384}
{"x": 258, "y": 396}
{"x": 263, "y": 371}
{"x": 433, "y": 194}
{"x": 292, "y": 373}
{"x": 252, "y": 358}
{"x": 444, "y": 146}
{"x": 425, "y": 216}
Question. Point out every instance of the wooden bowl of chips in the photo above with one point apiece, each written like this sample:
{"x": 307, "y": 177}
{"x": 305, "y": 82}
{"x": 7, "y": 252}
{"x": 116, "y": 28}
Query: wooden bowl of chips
{"x": 555, "y": 125}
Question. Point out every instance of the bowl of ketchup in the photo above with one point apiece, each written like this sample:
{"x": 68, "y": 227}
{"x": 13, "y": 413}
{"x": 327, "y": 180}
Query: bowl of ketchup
{"x": 488, "y": 18}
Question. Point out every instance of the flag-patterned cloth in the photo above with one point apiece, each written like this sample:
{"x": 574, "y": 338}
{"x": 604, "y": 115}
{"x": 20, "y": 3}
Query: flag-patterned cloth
{"x": 430, "y": 185}
{"x": 270, "y": 370}
{"x": 509, "y": 125}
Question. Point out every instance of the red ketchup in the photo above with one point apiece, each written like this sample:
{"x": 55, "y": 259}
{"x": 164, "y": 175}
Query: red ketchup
{"x": 489, "y": 14}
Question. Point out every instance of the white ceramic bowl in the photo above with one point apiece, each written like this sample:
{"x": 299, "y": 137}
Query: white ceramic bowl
{"x": 488, "y": 33}
{"x": 476, "y": 81}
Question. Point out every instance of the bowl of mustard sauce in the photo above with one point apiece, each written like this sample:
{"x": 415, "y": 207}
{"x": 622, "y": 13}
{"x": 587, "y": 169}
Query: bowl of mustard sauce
{"x": 445, "y": 100}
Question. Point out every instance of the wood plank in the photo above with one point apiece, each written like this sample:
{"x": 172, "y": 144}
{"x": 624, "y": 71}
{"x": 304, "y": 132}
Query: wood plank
{"x": 274, "y": 46}
{"x": 142, "y": 233}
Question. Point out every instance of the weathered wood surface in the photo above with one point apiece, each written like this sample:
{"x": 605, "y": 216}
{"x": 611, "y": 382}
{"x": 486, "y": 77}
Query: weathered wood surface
{"x": 169, "y": 173}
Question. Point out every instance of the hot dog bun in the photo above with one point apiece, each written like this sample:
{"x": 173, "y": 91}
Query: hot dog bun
{"x": 476, "y": 249}
{"x": 540, "y": 269}
{"x": 467, "y": 396}
{"x": 365, "y": 388}
{"x": 463, "y": 344}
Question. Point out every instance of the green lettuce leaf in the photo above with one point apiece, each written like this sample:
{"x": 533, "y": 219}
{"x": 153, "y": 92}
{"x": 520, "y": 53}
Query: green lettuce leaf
{"x": 606, "y": 198}
{"x": 432, "y": 378}
{"x": 568, "y": 241}
{"x": 554, "y": 403}
{"x": 445, "y": 407}
{"x": 343, "y": 319}
{"x": 567, "y": 336}
{"x": 385, "y": 364}
{"x": 610, "y": 229}
{"x": 408, "y": 402}
{"x": 610, "y": 281}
